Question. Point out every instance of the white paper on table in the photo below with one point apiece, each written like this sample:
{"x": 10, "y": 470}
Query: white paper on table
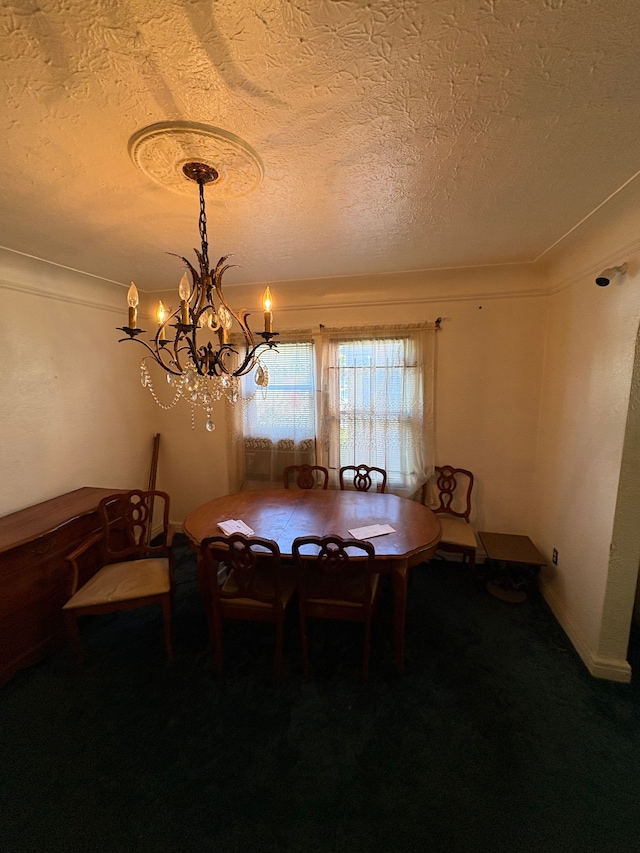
{"x": 235, "y": 525}
{"x": 371, "y": 530}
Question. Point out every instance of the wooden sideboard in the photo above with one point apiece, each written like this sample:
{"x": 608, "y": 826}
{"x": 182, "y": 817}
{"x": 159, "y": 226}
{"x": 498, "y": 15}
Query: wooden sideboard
{"x": 34, "y": 575}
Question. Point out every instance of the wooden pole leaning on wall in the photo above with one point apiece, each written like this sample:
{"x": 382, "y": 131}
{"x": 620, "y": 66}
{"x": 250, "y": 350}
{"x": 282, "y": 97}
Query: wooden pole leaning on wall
{"x": 153, "y": 471}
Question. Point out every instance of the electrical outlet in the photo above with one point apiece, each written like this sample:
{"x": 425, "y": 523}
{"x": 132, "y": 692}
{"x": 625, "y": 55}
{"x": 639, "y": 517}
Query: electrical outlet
{"x": 555, "y": 557}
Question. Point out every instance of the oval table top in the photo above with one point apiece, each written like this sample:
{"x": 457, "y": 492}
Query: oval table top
{"x": 284, "y": 514}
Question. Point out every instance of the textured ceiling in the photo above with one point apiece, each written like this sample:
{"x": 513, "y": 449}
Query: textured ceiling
{"x": 392, "y": 135}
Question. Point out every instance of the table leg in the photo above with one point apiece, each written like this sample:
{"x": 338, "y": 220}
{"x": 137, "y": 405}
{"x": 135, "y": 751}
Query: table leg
{"x": 399, "y": 575}
{"x": 203, "y": 580}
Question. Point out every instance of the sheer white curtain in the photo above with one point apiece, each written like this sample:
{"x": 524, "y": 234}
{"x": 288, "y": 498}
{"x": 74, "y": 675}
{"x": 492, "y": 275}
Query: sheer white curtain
{"x": 377, "y": 402}
{"x": 276, "y": 426}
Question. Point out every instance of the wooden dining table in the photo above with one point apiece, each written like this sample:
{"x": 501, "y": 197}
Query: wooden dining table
{"x": 285, "y": 514}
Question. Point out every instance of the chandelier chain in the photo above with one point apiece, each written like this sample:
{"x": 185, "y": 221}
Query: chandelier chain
{"x": 202, "y": 226}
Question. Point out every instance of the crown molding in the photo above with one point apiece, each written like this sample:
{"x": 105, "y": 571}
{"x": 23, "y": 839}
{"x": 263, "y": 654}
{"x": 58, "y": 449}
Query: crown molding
{"x": 421, "y": 300}
{"x": 590, "y": 270}
{"x": 58, "y": 297}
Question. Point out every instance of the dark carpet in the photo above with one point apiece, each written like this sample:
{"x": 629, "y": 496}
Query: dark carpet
{"x": 496, "y": 739}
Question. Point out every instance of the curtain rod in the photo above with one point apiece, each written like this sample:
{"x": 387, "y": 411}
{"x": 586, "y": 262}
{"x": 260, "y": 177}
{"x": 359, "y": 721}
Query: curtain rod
{"x": 407, "y": 327}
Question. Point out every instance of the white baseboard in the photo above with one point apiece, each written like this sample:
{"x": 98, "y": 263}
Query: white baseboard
{"x": 613, "y": 669}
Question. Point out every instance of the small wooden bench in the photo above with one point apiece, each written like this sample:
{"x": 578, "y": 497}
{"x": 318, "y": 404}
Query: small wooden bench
{"x": 514, "y": 562}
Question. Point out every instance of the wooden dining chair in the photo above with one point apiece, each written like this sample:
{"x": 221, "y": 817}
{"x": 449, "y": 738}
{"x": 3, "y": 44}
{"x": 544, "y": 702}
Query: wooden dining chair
{"x": 359, "y": 478}
{"x": 258, "y": 587}
{"x": 306, "y": 476}
{"x": 448, "y": 495}
{"x": 132, "y": 572}
{"x": 333, "y": 583}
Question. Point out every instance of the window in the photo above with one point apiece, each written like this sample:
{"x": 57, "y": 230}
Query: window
{"x": 374, "y": 391}
{"x": 377, "y": 390}
{"x": 279, "y": 422}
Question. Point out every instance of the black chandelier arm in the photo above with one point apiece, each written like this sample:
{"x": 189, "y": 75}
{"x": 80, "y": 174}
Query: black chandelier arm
{"x": 216, "y": 277}
{"x": 164, "y": 355}
{"x": 239, "y": 317}
{"x": 166, "y": 352}
{"x": 190, "y": 346}
{"x": 220, "y": 270}
{"x": 250, "y": 358}
{"x": 213, "y": 365}
{"x": 167, "y": 368}
{"x": 132, "y": 336}
{"x": 242, "y": 320}
{"x": 172, "y": 349}
{"x": 196, "y": 280}
{"x": 154, "y": 353}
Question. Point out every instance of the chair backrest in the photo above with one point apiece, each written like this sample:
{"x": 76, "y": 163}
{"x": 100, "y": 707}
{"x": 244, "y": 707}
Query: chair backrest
{"x": 127, "y": 522}
{"x": 306, "y": 476}
{"x": 359, "y": 476}
{"x": 254, "y": 562}
{"x": 328, "y": 569}
{"x": 449, "y": 491}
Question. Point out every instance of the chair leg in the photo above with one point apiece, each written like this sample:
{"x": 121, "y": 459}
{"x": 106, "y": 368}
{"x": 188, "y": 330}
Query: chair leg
{"x": 166, "y": 614}
{"x": 472, "y": 570}
{"x": 367, "y": 650}
{"x": 304, "y": 644}
{"x": 217, "y": 631}
{"x": 73, "y": 635}
{"x": 278, "y": 656}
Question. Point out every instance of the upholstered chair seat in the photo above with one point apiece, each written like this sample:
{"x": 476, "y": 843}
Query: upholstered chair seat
{"x": 263, "y": 586}
{"x": 457, "y": 532}
{"x": 123, "y": 582}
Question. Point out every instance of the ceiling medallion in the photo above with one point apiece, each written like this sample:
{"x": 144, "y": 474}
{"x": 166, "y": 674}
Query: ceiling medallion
{"x": 162, "y": 151}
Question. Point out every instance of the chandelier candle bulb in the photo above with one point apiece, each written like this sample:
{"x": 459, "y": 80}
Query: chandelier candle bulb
{"x": 267, "y": 304}
{"x": 224, "y": 317}
{"x": 132, "y": 299}
{"x": 161, "y": 314}
{"x": 184, "y": 291}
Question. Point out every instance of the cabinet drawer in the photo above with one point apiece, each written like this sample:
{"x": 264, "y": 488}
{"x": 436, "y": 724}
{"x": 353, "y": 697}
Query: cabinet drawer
{"x": 25, "y": 591}
{"x": 33, "y": 557}
{"x": 53, "y": 576}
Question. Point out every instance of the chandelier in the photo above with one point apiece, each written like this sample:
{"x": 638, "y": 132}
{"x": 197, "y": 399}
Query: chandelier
{"x": 203, "y": 353}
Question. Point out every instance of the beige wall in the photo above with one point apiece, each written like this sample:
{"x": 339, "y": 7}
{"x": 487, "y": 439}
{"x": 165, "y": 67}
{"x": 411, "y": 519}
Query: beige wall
{"x": 73, "y": 412}
{"x": 193, "y": 463}
{"x": 584, "y": 509}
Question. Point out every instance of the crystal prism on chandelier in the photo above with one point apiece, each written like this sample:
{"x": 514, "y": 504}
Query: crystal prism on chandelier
{"x": 198, "y": 370}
